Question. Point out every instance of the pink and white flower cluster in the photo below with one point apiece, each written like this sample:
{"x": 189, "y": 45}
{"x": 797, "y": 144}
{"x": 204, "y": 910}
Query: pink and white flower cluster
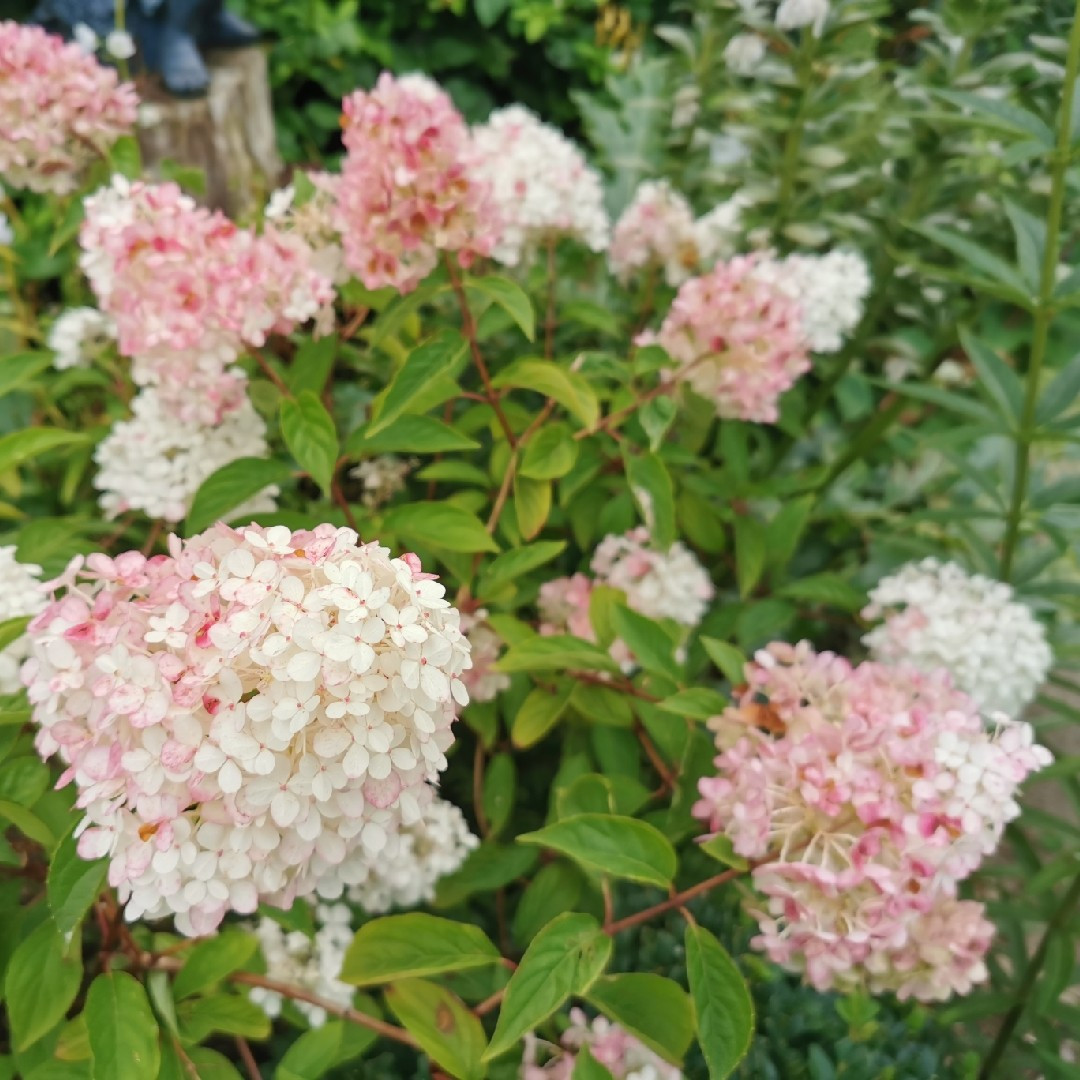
{"x": 541, "y": 185}
{"x": 155, "y": 462}
{"x": 868, "y": 792}
{"x": 419, "y": 855}
{"x": 623, "y": 1055}
{"x": 736, "y": 338}
{"x": 189, "y": 290}
{"x": 247, "y": 715}
{"x": 658, "y": 230}
{"x": 668, "y": 584}
{"x": 59, "y": 110}
{"x": 482, "y": 681}
{"x": 937, "y": 615}
{"x": 409, "y": 187}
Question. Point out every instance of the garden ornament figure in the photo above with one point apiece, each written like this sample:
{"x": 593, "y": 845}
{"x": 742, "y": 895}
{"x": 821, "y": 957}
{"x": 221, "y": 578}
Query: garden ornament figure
{"x": 169, "y": 33}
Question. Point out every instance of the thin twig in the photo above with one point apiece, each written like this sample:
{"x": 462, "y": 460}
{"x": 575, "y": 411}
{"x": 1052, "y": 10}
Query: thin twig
{"x": 612, "y": 928}
{"x": 270, "y": 373}
{"x": 489, "y": 1003}
{"x": 248, "y": 1058}
{"x": 669, "y": 778}
{"x": 468, "y": 326}
{"x": 342, "y": 503}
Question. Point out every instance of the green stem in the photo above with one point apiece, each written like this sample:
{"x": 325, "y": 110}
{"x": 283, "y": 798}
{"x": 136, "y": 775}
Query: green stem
{"x": 804, "y": 70}
{"x": 1044, "y": 310}
{"x": 1057, "y": 922}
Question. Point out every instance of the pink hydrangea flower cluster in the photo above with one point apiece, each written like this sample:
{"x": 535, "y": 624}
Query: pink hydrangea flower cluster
{"x": 59, "y": 109}
{"x": 482, "y": 681}
{"x": 870, "y": 792}
{"x": 409, "y": 184}
{"x": 658, "y": 230}
{"x": 623, "y": 1055}
{"x": 736, "y": 339}
{"x": 247, "y": 715}
{"x": 668, "y": 584}
{"x": 188, "y": 289}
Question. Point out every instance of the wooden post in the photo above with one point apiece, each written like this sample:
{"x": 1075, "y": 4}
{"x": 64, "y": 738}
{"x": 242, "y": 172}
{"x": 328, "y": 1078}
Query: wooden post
{"x": 228, "y": 134}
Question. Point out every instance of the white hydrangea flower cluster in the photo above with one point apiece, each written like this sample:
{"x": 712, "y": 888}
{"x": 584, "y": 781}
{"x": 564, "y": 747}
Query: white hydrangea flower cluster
{"x": 254, "y": 712}
{"x": 830, "y": 289}
{"x": 796, "y": 14}
{"x": 658, "y": 229}
{"x": 155, "y": 463}
{"x": 383, "y": 477}
{"x": 423, "y": 852}
{"x": 78, "y": 335}
{"x": 541, "y": 185}
{"x": 937, "y": 615}
{"x": 668, "y": 584}
{"x": 20, "y": 594}
{"x": 308, "y": 963}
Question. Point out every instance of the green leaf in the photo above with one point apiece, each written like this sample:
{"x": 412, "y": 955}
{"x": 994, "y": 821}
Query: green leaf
{"x": 440, "y": 1022}
{"x": 488, "y": 11}
{"x": 1060, "y": 394}
{"x": 511, "y": 298}
{"x": 211, "y": 960}
{"x": 725, "y": 1012}
{"x": 488, "y": 867}
{"x": 439, "y": 358}
{"x": 312, "y": 364}
{"x": 440, "y": 524}
{"x": 825, "y": 588}
{"x": 41, "y": 983}
{"x": 500, "y": 782}
{"x": 565, "y": 958}
{"x": 513, "y": 564}
{"x": 310, "y": 435}
{"x": 18, "y": 369}
{"x": 720, "y": 848}
{"x": 406, "y": 946}
{"x": 698, "y": 703}
{"x": 226, "y": 488}
{"x": 549, "y": 454}
{"x": 571, "y": 390}
{"x": 23, "y": 781}
{"x": 410, "y": 435}
{"x": 655, "y": 1009}
{"x": 123, "y": 1031}
{"x": 620, "y": 846}
{"x": 586, "y": 1067}
{"x": 1030, "y": 234}
{"x": 652, "y": 647}
{"x": 28, "y": 823}
{"x": 656, "y": 417}
{"x": 996, "y": 378}
{"x": 73, "y": 884}
{"x": 538, "y": 714}
{"x": 13, "y": 629}
{"x": 560, "y": 652}
{"x": 976, "y": 257}
{"x": 532, "y": 504}
{"x": 125, "y": 158}
{"x": 556, "y": 887}
{"x": 29, "y": 443}
{"x": 785, "y": 530}
{"x": 944, "y": 399}
{"x": 999, "y": 114}
{"x": 650, "y": 484}
{"x": 321, "y": 1049}
{"x": 226, "y": 1014}
{"x": 749, "y": 553}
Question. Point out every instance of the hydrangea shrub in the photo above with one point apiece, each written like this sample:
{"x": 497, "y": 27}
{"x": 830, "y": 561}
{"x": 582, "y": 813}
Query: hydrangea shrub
{"x": 417, "y": 589}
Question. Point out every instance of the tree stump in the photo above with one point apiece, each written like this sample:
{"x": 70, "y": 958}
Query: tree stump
{"x": 228, "y": 134}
